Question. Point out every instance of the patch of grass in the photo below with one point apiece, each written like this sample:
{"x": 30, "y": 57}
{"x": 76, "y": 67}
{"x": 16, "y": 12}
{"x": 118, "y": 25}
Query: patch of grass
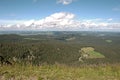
{"x": 89, "y": 52}
{"x": 70, "y": 39}
{"x": 59, "y": 72}
{"x": 109, "y": 41}
{"x": 95, "y": 54}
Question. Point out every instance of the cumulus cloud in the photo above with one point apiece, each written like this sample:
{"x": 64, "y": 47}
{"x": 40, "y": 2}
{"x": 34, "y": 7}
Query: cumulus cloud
{"x": 55, "y": 21}
{"x": 63, "y": 21}
{"x": 61, "y": 18}
{"x": 65, "y": 2}
{"x": 28, "y": 23}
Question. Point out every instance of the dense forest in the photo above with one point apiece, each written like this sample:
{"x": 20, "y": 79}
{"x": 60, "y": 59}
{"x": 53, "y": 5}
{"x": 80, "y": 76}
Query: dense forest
{"x": 59, "y": 47}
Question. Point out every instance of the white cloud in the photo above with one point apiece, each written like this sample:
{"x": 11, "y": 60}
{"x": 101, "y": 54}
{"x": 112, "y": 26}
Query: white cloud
{"x": 28, "y": 23}
{"x": 61, "y": 21}
{"x": 65, "y": 2}
{"x": 57, "y": 19}
{"x": 110, "y": 19}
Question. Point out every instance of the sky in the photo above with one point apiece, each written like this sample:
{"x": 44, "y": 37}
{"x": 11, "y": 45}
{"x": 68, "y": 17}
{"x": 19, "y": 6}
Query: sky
{"x": 60, "y": 15}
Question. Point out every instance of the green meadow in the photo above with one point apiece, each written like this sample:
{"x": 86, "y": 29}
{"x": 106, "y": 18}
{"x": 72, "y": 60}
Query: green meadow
{"x": 95, "y": 54}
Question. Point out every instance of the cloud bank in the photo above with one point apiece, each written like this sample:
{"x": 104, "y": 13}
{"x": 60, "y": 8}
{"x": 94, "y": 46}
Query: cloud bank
{"x": 62, "y": 21}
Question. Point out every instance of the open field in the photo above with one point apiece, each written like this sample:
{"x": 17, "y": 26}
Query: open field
{"x": 94, "y": 54}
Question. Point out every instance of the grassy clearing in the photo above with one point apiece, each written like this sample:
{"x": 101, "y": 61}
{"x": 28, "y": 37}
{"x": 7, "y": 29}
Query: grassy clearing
{"x": 89, "y": 52}
{"x": 109, "y": 41}
{"x": 59, "y": 72}
{"x": 71, "y": 39}
{"x": 94, "y": 54}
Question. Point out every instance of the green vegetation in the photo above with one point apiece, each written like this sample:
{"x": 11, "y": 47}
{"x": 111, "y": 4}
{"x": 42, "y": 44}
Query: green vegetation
{"x": 70, "y": 39}
{"x": 109, "y": 41}
{"x": 60, "y": 72}
{"x": 56, "y": 56}
{"x": 89, "y": 53}
{"x": 94, "y": 54}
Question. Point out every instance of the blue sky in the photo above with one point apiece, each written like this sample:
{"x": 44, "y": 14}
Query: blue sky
{"x": 23, "y": 10}
{"x": 36, "y": 9}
